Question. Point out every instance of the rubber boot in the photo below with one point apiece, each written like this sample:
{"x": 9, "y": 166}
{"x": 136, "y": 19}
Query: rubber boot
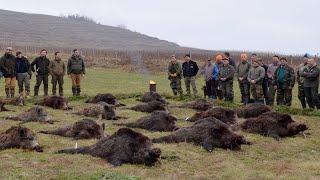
{"x": 74, "y": 90}
{"x": 78, "y": 91}
{"x": 7, "y": 92}
{"x": 36, "y": 91}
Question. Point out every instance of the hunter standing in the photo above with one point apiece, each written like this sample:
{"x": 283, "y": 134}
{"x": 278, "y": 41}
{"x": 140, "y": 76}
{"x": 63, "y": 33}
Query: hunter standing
{"x": 190, "y": 70}
{"x": 226, "y": 75}
{"x": 23, "y": 73}
{"x": 255, "y": 78}
{"x": 41, "y": 71}
{"x": 174, "y": 73}
{"x": 57, "y": 69}
{"x": 284, "y": 82}
{"x": 311, "y": 83}
{"x": 8, "y": 65}
{"x": 300, "y": 79}
{"x": 207, "y": 71}
{"x": 242, "y": 74}
{"x": 76, "y": 71}
{"x": 270, "y": 73}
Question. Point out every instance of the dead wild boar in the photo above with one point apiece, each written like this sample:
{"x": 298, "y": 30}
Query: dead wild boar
{"x": 19, "y": 137}
{"x": 252, "y": 110}
{"x": 107, "y": 98}
{"x": 157, "y": 121}
{"x": 150, "y": 107}
{"x": 273, "y": 124}
{"x": 225, "y": 115}
{"x": 55, "y": 102}
{"x": 100, "y": 110}
{"x": 209, "y": 133}
{"x": 37, "y": 114}
{"x": 152, "y": 96}
{"x": 84, "y": 129}
{"x": 124, "y": 146}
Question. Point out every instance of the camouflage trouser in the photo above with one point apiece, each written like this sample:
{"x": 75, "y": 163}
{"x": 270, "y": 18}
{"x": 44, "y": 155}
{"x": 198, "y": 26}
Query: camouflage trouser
{"x": 312, "y": 97}
{"x": 271, "y": 95}
{"x": 192, "y": 81}
{"x": 284, "y": 96}
{"x": 302, "y": 96}
{"x": 257, "y": 93}
{"x": 175, "y": 84}
{"x": 245, "y": 91}
{"x": 227, "y": 90}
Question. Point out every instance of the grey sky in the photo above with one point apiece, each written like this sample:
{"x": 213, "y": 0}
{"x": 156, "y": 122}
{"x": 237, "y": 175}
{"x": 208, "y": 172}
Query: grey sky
{"x": 286, "y": 26}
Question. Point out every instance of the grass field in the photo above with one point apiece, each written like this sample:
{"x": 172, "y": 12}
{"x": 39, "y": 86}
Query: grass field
{"x": 290, "y": 158}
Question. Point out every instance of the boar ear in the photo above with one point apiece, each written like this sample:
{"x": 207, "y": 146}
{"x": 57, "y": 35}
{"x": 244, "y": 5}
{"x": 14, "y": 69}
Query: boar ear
{"x": 103, "y": 125}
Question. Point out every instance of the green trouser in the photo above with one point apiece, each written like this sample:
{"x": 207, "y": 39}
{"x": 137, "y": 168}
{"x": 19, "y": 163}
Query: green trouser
{"x": 191, "y": 81}
{"x": 227, "y": 90}
{"x": 257, "y": 93}
{"x": 302, "y": 96}
{"x": 245, "y": 91}
{"x": 57, "y": 79}
{"x": 312, "y": 97}
{"x": 175, "y": 84}
{"x": 284, "y": 96}
{"x": 39, "y": 80}
{"x": 272, "y": 94}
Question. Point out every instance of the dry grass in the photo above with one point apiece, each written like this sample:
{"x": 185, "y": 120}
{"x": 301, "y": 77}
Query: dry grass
{"x": 290, "y": 158}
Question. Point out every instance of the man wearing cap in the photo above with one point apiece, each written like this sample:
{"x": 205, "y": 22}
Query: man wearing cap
{"x": 242, "y": 74}
{"x": 311, "y": 75}
{"x": 255, "y": 78}
{"x": 284, "y": 82}
{"x": 226, "y": 75}
{"x": 190, "y": 70}
{"x": 174, "y": 73}
{"x": 300, "y": 79}
{"x": 270, "y": 74}
{"x": 8, "y": 65}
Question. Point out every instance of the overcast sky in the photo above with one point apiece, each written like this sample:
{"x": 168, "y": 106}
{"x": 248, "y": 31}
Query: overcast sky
{"x": 286, "y": 26}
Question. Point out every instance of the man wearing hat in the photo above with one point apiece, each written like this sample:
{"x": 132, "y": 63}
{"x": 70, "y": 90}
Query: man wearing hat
{"x": 225, "y": 77}
{"x": 300, "y": 79}
{"x": 8, "y": 65}
{"x": 255, "y": 78}
{"x": 174, "y": 73}
{"x": 284, "y": 82}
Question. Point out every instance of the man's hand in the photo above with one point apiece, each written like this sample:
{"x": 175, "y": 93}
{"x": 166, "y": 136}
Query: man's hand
{"x": 223, "y": 79}
{"x": 290, "y": 87}
{"x": 35, "y": 73}
{"x": 274, "y": 87}
{"x": 240, "y": 78}
{"x": 253, "y": 81}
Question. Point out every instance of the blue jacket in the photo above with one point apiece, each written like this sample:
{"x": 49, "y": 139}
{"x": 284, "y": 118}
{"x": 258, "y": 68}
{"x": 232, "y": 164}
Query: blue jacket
{"x": 215, "y": 72}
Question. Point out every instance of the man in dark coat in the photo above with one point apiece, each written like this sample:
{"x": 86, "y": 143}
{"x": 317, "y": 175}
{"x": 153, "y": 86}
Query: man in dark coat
{"x": 190, "y": 70}
{"x": 40, "y": 66}
{"x": 8, "y": 65}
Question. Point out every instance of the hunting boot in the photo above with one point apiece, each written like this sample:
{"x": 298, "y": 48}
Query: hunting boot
{"x": 54, "y": 91}
{"x": 7, "y": 92}
{"x": 12, "y": 91}
{"x": 74, "y": 90}
{"x": 36, "y": 91}
{"x": 78, "y": 90}
{"x": 45, "y": 89}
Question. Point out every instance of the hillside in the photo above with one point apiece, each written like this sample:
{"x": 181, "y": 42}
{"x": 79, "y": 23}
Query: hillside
{"x": 44, "y": 30}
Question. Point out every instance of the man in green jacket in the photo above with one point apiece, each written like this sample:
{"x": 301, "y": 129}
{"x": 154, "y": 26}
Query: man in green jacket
{"x": 284, "y": 82}
{"x": 300, "y": 79}
{"x": 175, "y": 75}
{"x": 311, "y": 83}
{"x": 57, "y": 70}
{"x": 76, "y": 71}
{"x": 242, "y": 74}
{"x": 255, "y": 77}
{"x": 225, "y": 77}
{"x": 8, "y": 65}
